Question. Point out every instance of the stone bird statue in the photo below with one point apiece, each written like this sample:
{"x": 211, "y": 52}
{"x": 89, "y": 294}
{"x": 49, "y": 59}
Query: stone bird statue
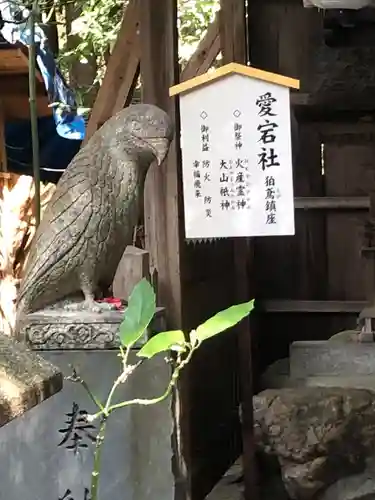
{"x": 91, "y": 217}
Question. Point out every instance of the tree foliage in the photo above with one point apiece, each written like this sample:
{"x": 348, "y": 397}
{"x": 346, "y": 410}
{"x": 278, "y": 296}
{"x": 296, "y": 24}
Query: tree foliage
{"x": 86, "y": 31}
{"x": 96, "y": 23}
{"x": 193, "y": 18}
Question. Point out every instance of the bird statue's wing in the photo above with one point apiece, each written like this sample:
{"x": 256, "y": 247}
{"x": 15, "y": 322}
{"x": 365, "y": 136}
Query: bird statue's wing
{"x": 69, "y": 218}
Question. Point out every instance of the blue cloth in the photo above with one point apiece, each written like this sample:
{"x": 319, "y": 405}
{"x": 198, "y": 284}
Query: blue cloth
{"x": 69, "y": 124}
{"x": 55, "y": 151}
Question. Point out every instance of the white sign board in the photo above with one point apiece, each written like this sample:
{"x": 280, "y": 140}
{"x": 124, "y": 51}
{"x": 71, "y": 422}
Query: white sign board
{"x": 237, "y": 159}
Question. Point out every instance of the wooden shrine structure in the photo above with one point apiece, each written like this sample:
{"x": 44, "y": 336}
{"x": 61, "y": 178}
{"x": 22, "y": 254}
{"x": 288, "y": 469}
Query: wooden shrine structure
{"x": 308, "y": 286}
{"x": 14, "y": 90}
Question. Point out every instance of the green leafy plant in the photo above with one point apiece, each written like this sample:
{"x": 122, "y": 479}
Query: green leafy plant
{"x": 137, "y": 318}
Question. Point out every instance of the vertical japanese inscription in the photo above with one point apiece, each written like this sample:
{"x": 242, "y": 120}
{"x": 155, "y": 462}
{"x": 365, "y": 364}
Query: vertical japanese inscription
{"x": 205, "y": 133}
{"x": 197, "y": 179}
{"x": 225, "y": 184}
{"x": 77, "y": 428}
{"x": 237, "y": 130}
{"x": 202, "y": 169}
{"x": 234, "y": 177}
{"x": 241, "y": 184}
{"x": 268, "y": 157}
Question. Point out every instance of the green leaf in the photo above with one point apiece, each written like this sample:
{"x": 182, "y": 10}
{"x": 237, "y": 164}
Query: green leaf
{"x": 173, "y": 340}
{"x": 139, "y": 313}
{"x": 224, "y": 320}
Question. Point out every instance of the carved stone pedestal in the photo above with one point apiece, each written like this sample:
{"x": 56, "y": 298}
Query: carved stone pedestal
{"x": 59, "y": 329}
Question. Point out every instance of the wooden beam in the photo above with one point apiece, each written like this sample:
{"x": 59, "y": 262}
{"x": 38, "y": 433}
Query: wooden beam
{"x": 311, "y": 306}
{"x": 122, "y": 71}
{"x": 300, "y": 99}
{"x": 332, "y": 203}
{"x": 234, "y": 49}
{"x": 206, "y": 52}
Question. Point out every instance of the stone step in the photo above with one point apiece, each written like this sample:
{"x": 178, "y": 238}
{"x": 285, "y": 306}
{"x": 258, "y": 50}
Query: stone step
{"x": 331, "y": 359}
{"x": 276, "y": 377}
{"x": 354, "y": 382}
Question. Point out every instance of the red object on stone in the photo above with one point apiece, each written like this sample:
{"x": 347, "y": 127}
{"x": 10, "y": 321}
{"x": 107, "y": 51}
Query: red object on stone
{"x": 113, "y": 300}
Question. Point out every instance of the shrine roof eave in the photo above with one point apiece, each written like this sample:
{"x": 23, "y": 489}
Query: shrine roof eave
{"x": 229, "y": 69}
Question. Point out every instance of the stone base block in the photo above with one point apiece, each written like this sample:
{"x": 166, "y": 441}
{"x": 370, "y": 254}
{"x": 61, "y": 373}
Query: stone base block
{"x": 137, "y": 453}
{"x": 326, "y": 359}
{"x": 59, "y": 329}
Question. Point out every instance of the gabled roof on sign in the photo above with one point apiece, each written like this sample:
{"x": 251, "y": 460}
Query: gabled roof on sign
{"x": 233, "y": 68}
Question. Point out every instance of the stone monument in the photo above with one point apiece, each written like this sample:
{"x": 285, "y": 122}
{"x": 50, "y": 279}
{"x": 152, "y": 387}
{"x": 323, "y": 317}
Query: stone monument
{"x": 85, "y": 229}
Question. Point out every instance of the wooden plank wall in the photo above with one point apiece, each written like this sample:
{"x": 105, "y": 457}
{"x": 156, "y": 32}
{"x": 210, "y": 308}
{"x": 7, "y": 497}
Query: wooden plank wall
{"x": 312, "y": 285}
{"x": 350, "y": 172}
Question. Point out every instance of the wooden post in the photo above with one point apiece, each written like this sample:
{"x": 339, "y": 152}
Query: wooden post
{"x": 368, "y": 252}
{"x": 367, "y": 315}
{"x": 3, "y": 152}
{"x": 234, "y": 49}
{"x": 163, "y": 209}
{"x": 163, "y": 197}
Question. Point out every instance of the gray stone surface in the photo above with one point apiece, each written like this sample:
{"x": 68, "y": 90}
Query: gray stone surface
{"x": 321, "y": 395}
{"x": 352, "y": 382}
{"x": 60, "y": 329}
{"x": 137, "y": 455}
{"x": 276, "y": 375}
{"x": 26, "y": 379}
{"x": 320, "y": 358}
{"x": 319, "y": 435}
{"x": 357, "y": 487}
{"x": 230, "y": 487}
{"x": 91, "y": 216}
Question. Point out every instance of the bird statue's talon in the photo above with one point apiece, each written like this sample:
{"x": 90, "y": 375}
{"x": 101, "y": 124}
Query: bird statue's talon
{"x": 89, "y": 306}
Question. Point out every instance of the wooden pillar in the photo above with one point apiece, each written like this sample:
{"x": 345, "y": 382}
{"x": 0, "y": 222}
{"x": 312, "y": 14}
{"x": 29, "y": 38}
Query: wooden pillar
{"x": 3, "y": 153}
{"x": 234, "y": 49}
{"x": 163, "y": 209}
{"x": 159, "y": 71}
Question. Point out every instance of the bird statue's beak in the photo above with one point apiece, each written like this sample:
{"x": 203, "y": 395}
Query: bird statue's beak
{"x": 160, "y": 146}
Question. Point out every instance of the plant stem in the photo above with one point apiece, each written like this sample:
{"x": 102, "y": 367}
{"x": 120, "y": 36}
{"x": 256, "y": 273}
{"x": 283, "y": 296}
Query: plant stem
{"x": 147, "y": 402}
{"x": 121, "y": 379}
{"x": 95, "y": 475}
{"x": 33, "y": 111}
{"x": 93, "y": 398}
{"x": 111, "y": 393}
